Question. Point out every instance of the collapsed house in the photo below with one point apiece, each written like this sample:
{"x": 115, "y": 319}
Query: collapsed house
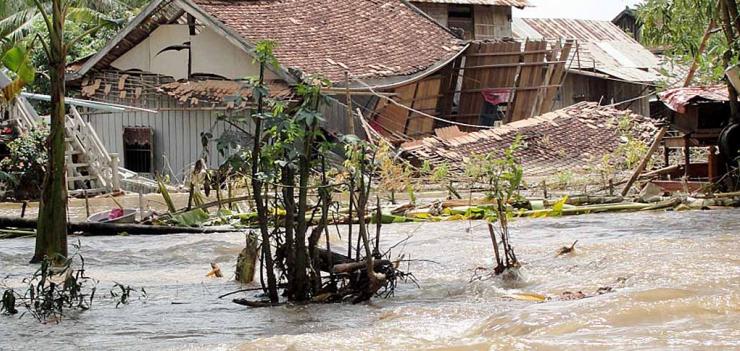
{"x": 405, "y": 74}
{"x": 701, "y": 120}
{"x": 607, "y": 65}
{"x": 574, "y": 138}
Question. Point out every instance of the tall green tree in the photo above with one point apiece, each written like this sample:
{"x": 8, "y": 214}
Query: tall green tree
{"x": 678, "y": 27}
{"x": 17, "y": 31}
{"x": 701, "y": 33}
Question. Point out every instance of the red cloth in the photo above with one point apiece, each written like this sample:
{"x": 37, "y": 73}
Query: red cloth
{"x": 115, "y": 213}
{"x": 495, "y": 96}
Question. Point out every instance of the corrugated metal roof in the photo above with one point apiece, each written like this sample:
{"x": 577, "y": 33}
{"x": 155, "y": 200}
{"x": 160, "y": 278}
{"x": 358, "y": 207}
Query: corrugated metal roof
{"x": 514, "y": 3}
{"x": 602, "y": 47}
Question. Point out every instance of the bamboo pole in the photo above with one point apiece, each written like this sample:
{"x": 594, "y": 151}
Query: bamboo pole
{"x": 658, "y": 138}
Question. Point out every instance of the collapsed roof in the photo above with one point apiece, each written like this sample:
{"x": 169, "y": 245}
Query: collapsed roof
{"x": 570, "y": 138}
{"x": 602, "y": 47}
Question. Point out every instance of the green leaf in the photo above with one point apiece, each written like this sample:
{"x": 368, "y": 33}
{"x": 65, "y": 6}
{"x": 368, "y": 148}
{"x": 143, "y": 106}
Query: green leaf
{"x": 18, "y": 60}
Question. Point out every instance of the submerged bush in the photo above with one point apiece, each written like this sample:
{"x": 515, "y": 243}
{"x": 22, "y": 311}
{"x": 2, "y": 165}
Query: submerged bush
{"x": 24, "y": 168}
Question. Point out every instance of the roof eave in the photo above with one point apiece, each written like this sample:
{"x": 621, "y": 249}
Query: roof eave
{"x": 391, "y": 82}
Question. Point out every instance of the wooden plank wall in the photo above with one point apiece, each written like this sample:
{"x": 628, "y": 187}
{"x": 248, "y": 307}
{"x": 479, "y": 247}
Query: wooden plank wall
{"x": 176, "y": 127}
{"x": 555, "y": 75}
{"x": 437, "y": 11}
{"x": 399, "y": 122}
{"x": 425, "y": 100}
{"x": 478, "y": 74}
{"x": 492, "y": 22}
{"x": 530, "y": 82}
{"x": 577, "y": 88}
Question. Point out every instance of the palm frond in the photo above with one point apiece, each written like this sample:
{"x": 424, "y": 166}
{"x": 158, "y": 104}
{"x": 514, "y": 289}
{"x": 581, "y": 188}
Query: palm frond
{"x": 89, "y": 16}
{"x": 16, "y": 26}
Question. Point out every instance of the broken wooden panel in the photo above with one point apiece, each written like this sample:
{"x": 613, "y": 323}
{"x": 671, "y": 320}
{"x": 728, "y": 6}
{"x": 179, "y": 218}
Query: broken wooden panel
{"x": 487, "y": 65}
{"x": 425, "y": 101}
{"x": 556, "y": 76}
{"x": 392, "y": 117}
{"x": 530, "y": 82}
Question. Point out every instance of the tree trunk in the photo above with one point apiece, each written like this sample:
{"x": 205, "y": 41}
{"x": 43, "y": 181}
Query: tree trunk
{"x": 301, "y": 283}
{"x": 258, "y": 196}
{"x": 289, "y": 245}
{"x": 51, "y": 239}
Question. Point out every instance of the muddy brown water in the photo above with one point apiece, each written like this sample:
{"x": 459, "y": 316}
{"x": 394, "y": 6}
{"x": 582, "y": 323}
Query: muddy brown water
{"x": 676, "y": 280}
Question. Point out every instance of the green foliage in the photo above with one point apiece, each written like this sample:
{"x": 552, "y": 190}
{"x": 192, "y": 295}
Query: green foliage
{"x": 122, "y": 293}
{"x": 54, "y": 288}
{"x": 501, "y": 176}
{"x": 678, "y": 26}
{"x": 18, "y": 61}
{"x": 25, "y": 167}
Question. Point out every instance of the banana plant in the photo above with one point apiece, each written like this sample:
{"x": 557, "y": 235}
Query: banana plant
{"x": 17, "y": 61}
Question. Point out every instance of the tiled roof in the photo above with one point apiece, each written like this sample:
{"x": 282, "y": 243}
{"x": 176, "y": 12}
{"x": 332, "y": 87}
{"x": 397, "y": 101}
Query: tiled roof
{"x": 514, "y": 3}
{"x": 602, "y": 46}
{"x": 569, "y": 138}
{"x": 371, "y": 38}
{"x": 217, "y": 91}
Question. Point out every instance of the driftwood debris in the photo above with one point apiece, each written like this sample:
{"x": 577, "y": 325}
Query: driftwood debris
{"x": 111, "y": 229}
{"x": 566, "y": 250}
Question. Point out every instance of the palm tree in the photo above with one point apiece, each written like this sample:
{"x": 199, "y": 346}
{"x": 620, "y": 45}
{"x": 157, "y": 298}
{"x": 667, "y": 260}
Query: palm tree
{"x": 16, "y": 27}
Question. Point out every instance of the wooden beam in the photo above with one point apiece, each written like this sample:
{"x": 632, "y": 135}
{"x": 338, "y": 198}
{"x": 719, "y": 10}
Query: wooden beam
{"x": 656, "y": 142}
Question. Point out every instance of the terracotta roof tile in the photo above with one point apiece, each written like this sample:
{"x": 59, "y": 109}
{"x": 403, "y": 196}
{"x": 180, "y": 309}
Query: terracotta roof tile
{"x": 217, "y": 91}
{"x": 563, "y": 139}
{"x": 372, "y": 38}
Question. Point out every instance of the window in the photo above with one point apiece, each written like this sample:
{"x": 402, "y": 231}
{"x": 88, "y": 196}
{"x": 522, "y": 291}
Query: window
{"x": 138, "y": 149}
{"x": 461, "y": 17}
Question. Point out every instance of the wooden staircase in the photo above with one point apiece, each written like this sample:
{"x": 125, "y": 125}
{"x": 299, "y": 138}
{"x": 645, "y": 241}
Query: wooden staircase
{"x": 90, "y": 169}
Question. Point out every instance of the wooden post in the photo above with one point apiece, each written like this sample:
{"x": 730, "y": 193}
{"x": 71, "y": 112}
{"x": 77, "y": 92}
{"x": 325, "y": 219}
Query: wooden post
{"x": 115, "y": 177}
{"x": 686, "y": 155}
{"x": 87, "y": 203}
{"x": 349, "y": 105}
{"x": 658, "y": 139}
{"x": 141, "y": 205}
{"x": 712, "y": 163}
{"x": 666, "y": 155}
{"x": 611, "y": 186}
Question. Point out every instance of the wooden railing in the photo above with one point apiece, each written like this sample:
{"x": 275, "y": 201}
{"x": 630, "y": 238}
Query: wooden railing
{"x": 101, "y": 164}
{"x": 25, "y": 114}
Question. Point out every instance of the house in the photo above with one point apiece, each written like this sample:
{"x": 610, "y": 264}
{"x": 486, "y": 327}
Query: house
{"x": 184, "y": 59}
{"x": 405, "y": 74}
{"x": 627, "y": 21}
{"x": 702, "y": 120}
{"x": 475, "y": 19}
{"x": 606, "y": 66}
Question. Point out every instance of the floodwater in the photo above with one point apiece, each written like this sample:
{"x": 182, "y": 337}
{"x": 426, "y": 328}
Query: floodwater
{"x": 676, "y": 281}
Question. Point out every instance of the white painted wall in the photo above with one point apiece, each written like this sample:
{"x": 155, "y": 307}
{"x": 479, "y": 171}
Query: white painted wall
{"x": 146, "y": 56}
{"x": 211, "y": 53}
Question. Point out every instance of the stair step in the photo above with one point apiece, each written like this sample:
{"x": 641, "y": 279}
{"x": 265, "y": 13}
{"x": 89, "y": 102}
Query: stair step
{"x": 79, "y": 165}
{"x": 89, "y": 192}
{"x": 72, "y": 152}
{"x": 87, "y": 177}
